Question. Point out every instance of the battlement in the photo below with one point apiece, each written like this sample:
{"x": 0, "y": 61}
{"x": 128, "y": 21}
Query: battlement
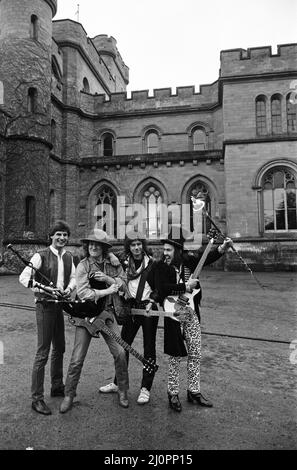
{"x": 163, "y": 98}
{"x": 257, "y": 60}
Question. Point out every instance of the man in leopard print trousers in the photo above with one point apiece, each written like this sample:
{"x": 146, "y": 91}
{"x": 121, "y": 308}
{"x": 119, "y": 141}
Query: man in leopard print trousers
{"x": 172, "y": 277}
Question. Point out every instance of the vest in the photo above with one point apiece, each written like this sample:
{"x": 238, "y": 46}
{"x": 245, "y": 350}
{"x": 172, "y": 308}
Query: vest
{"x": 49, "y": 268}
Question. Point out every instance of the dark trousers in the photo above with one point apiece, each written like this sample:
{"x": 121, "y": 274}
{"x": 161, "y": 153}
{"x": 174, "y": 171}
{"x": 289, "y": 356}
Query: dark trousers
{"x": 50, "y": 330}
{"x": 149, "y": 330}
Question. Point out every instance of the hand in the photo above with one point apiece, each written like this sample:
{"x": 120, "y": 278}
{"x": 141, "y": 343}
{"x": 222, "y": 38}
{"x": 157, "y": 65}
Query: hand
{"x": 66, "y": 293}
{"x": 114, "y": 260}
{"x": 100, "y": 276}
{"x": 148, "y": 307}
{"x": 191, "y": 284}
{"x": 113, "y": 289}
{"x": 228, "y": 242}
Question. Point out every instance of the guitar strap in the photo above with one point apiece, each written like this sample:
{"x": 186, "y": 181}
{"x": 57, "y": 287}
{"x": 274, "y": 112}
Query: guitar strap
{"x": 142, "y": 281}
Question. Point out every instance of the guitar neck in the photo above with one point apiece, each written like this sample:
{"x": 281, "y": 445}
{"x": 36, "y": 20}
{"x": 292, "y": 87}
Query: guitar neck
{"x": 123, "y": 343}
{"x": 200, "y": 265}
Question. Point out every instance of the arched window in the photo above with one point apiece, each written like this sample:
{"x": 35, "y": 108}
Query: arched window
{"x": 106, "y": 210}
{"x": 1, "y": 93}
{"x": 32, "y": 100}
{"x": 86, "y": 86}
{"x": 52, "y": 207}
{"x": 202, "y": 189}
{"x": 261, "y": 119}
{"x": 152, "y": 142}
{"x": 276, "y": 114}
{"x": 199, "y": 140}
{"x": 30, "y": 213}
{"x": 53, "y": 133}
{"x": 107, "y": 144}
{"x": 291, "y": 115}
{"x": 152, "y": 201}
{"x": 279, "y": 199}
{"x": 34, "y": 27}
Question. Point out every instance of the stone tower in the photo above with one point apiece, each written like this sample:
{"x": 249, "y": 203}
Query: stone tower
{"x": 25, "y": 116}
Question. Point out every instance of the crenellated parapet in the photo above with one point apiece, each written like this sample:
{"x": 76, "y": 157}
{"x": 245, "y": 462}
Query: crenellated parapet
{"x": 162, "y": 99}
{"x": 258, "y": 60}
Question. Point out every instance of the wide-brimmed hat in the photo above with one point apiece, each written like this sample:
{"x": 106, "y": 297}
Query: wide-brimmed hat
{"x": 98, "y": 236}
{"x": 176, "y": 236}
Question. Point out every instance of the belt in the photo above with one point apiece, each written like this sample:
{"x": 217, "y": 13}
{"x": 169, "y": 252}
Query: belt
{"x": 135, "y": 304}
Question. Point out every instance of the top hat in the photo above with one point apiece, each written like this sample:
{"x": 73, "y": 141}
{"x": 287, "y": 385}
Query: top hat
{"x": 98, "y": 236}
{"x": 176, "y": 236}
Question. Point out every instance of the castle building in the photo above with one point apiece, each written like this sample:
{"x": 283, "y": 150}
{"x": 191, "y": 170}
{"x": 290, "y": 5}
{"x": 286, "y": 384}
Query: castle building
{"x": 72, "y": 144}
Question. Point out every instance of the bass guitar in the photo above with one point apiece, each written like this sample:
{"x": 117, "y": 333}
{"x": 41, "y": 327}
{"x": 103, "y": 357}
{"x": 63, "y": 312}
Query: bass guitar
{"x": 95, "y": 325}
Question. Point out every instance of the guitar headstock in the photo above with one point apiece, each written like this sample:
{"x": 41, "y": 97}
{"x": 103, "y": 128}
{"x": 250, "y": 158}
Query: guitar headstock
{"x": 150, "y": 366}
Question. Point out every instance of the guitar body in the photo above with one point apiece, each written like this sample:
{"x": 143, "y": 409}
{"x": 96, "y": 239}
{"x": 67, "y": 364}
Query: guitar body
{"x": 174, "y": 302}
{"x": 183, "y": 305}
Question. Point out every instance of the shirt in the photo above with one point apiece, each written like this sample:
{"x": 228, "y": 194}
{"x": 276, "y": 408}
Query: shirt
{"x": 26, "y": 274}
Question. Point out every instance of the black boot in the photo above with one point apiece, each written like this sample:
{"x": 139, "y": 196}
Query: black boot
{"x": 199, "y": 399}
{"x": 174, "y": 402}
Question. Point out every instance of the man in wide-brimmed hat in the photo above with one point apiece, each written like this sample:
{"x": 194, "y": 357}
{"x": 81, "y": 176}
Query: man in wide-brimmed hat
{"x": 97, "y": 280}
{"x": 172, "y": 278}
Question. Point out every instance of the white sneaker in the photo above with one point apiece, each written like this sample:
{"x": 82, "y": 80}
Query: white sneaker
{"x": 109, "y": 388}
{"x": 144, "y": 396}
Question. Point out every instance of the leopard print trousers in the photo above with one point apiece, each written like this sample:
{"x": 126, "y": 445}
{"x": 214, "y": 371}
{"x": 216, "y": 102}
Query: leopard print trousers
{"x": 192, "y": 335}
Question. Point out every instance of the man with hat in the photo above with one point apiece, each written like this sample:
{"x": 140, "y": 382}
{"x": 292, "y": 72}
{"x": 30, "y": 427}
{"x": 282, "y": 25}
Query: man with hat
{"x": 138, "y": 266}
{"x": 172, "y": 277}
{"x": 97, "y": 280}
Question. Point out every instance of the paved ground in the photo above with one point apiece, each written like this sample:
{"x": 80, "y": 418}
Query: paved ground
{"x": 249, "y": 370}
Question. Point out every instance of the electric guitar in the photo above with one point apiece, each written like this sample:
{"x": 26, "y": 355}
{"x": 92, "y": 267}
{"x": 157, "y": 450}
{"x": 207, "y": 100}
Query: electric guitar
{"x": 183, "y": 305}
{"x": 95, "y": 325}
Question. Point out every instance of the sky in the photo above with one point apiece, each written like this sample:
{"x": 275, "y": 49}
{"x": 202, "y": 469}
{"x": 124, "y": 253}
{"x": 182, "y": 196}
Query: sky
{"x": 172, "y": 43}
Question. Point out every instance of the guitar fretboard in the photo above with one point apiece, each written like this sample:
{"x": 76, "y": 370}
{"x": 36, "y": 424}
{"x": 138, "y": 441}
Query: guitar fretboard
{"x": 125, "y": 345}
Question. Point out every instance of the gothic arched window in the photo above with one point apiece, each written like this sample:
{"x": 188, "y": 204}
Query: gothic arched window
{"x": 200, "y": 189}
{"x": 261, "y": 119}
{"x": 106, "y": 210}
{"x": 279, "y": 199}
{"x": 152, "y": 200}
{"x": 276, "y": 114}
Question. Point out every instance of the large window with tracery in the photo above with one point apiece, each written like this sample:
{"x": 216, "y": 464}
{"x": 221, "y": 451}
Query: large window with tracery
{"x": 106, "y": 211}
{"x": 152, "y": 201}
{"x": 201, "y": 190}
{"x": 279, "y": 199}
